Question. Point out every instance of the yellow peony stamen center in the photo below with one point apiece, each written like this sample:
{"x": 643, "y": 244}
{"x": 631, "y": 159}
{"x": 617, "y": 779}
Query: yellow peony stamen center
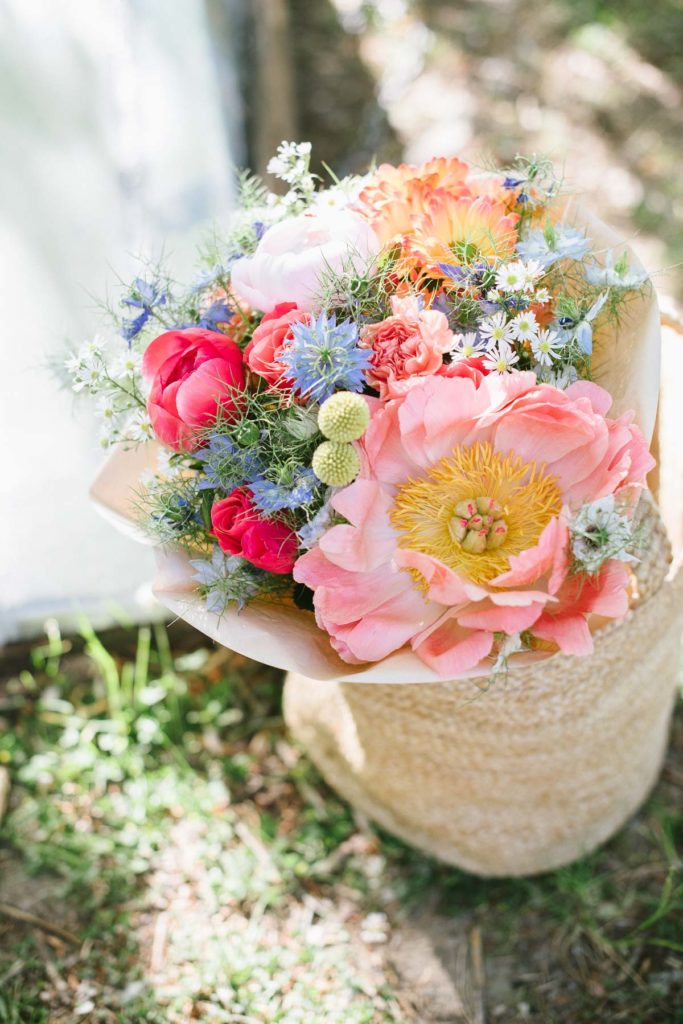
{"x": 474, "y": 509}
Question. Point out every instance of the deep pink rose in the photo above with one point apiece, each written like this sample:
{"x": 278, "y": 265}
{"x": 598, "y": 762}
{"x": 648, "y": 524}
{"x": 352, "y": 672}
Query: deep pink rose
{"x": 261, "y": 354}
{"x": 240, "y": 530}
{"x": 194, "y": 373}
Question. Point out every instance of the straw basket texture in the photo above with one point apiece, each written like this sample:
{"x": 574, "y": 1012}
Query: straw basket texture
{"x": 530, "y": 774}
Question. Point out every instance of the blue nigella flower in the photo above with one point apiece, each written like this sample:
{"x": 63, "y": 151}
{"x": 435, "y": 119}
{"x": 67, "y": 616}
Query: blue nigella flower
{"x": 310, "y": 533}
{"x": 440, "y": 304}
{"x": 547, "y": 247}
{"x": 512, "y": 182}
{"x": 324, "y": 357}
{"x": 145, "y": 296}
{"x": 616, "y": 273}
{"x": 131, "y": 328}
{"x": 584, "y": 330}
{"x": 516, "y": 302}
{"x": 226, "y": 579}
{"x": 226, "y": 464}
{"x": 218, "y": 313}
{"x": 458, "y": 275}
{"x": 272, "y": 497}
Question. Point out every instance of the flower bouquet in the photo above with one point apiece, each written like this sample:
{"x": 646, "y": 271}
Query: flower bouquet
{"x": 397, "y": 433}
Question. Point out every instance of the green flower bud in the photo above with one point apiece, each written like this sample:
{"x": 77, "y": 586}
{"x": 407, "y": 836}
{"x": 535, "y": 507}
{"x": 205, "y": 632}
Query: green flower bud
{"x": 335, "y": 464}
{"x": 343, "y": 417}
{"x": 246, "y": 433}
{"x": 301, "y": 423}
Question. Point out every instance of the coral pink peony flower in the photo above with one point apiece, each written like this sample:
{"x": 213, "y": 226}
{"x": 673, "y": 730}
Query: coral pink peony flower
{"x": 194, "y": 373}
{"x": 262, "y": 352}
{"x": 295, "y": 256}
{"x": 458, "y": 526}
{"x": 472, "y": 367}
{"x": 240, "y": 530}
{"x": 408, "y": 345}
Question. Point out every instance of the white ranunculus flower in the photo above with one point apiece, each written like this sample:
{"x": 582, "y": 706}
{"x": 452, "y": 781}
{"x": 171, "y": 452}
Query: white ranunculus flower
{"x": 295, "y": 255}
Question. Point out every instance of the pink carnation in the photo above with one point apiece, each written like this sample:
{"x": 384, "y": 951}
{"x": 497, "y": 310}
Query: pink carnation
{"x": 409, "y": 344}
{"x": 409, "y": 567}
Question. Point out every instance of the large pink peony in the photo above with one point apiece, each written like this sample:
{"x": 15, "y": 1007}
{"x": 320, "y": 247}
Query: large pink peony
{"x": 295, "y": 256}
{"x": 458, "y": 526}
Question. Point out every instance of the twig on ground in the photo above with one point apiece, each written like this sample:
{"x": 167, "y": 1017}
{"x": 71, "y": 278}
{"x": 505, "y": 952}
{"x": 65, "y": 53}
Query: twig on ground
{"x": 25, "y": 917}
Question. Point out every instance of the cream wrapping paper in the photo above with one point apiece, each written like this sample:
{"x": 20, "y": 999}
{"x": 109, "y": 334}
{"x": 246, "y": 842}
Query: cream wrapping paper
{"x": 626, "y": 363}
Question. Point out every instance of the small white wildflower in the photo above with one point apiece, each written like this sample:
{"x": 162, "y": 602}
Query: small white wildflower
{"x": 466, "y": 345}
{"x": 500, "y": 358}
{"x": 91, "y": 353}
{"x": 524, "y": 327}
{"x": 532, "y": 270}
{"x": 546, "y": 347}
{"x": 291, "y": 164}
{"x": 106, "y": 407}
{"x": 600, "y": 532}
{"x": 87, "y": 367}
{"x": 542, "y": 295}
{"x": 165, "y": 467}
{"x": 496, "y": 329}
{"x": 129, "y": 364}
{"x": 109, "y": 432}
{"x": 511, "y": 277}
{"x": 139, "y": 429}
{"x": 290, "y": 157}
{"x": 493, "y": 295}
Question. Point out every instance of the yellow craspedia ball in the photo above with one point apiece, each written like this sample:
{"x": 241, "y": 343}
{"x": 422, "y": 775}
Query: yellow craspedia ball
{"x": 343, "y": 417}
{"x": 335, "y": 464}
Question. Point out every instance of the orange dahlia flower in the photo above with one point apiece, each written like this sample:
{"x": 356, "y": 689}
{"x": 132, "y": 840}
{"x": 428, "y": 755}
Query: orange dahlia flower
{"x": 459, "y": 230}
{"x": 394, "y": 195}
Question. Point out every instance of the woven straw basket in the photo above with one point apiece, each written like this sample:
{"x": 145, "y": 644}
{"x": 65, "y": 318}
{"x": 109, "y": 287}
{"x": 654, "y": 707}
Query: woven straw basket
{"x": 528, "y": 775}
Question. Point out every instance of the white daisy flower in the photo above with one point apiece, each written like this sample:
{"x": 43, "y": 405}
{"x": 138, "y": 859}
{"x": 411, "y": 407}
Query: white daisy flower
{"x": 466, "y": 345}
{"x": 496, "y": 329}
{"x": 511, "y": 277}
{"x": 500, "y": 358}
{"x": 524, "y": 327}
{"x": 493, "y": 295}
{"x": 546, "y": 346}
{"x": 165, "y": 467}
{"x": 90, "y": 353}
{"x": 139, "y": 428}
{"x": 542, "y": 295}
{"x": 127, "y": 365}
{"x": 532, "y": 270}
{"x": 106, "y": 408}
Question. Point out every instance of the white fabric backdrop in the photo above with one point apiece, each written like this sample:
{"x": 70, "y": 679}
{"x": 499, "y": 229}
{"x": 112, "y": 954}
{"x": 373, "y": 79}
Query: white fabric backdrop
{"x": 113, "y": 142}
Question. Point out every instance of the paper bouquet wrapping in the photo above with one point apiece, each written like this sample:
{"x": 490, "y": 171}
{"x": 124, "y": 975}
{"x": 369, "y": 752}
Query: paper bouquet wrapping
{"x": 395, "y": 442}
